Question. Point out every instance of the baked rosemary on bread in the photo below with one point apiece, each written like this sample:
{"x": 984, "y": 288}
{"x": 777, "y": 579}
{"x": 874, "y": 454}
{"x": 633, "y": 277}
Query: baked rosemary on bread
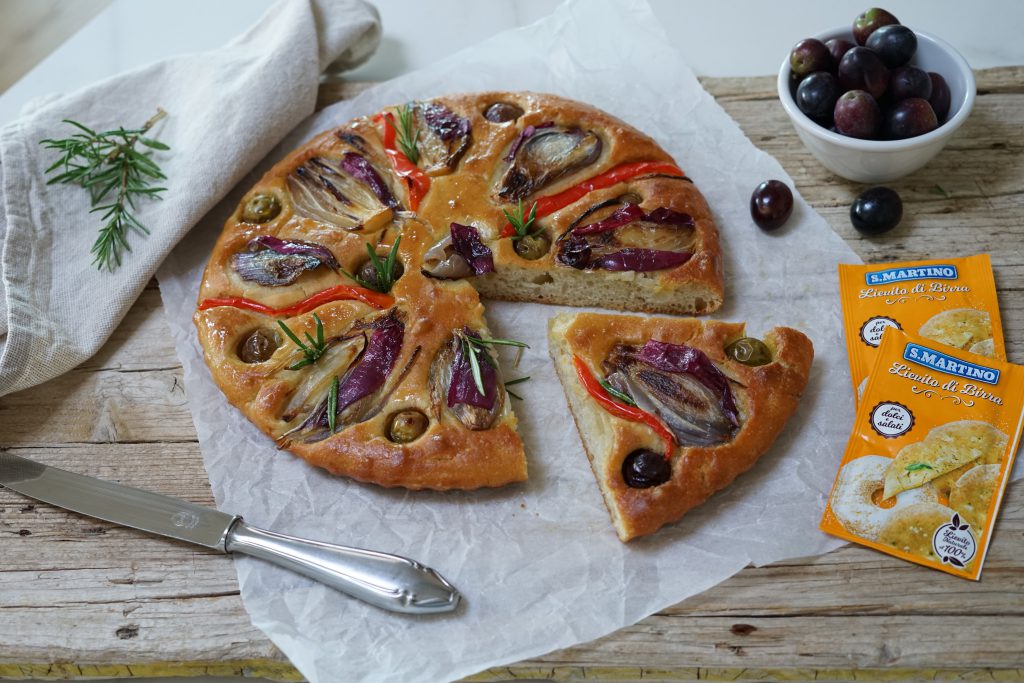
{"x": 672, "y": 410}
{"x": 340, "y": 312}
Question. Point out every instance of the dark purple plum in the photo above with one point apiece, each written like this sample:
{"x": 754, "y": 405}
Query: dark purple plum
{"x": 857, "y": 115}
{"x": 866, "y": 23}
{"x": 808, "y": 56}
{"x": 771, "y": 204}
{"x": 877, "y": 210}
{"x": 909, "y": 81}
{"x": 910, "y": 118}
{"x": 838, "y": 48}
{"x": 862, "y": 69}
{"x": 940, "y": 97}
{"x": 816, "y": 96}
{"x": 895, "y": 44}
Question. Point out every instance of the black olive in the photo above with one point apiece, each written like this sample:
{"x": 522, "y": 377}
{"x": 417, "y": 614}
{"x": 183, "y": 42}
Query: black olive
{"x": 533, "y": 247}
{"x": 502, "y": 112}
{"x": 749, "y": 351}
{"x": 258, "y": 346}
{"x": 877, "y": 210}
{"x": 261, "y": 208}
{"x": 644, "y": 468}
{"x": 367, "y": 273}
{"x": 407, "y": 426}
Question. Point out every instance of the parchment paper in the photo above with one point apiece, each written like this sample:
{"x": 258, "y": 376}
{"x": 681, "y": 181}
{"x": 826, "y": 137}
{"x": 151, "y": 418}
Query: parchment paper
{"x": 539, "y": 564}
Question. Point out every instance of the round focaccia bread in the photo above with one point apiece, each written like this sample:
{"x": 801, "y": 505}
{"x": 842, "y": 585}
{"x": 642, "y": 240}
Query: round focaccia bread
{"x": 859, "y": 483}
{"x": 433, "y": 185}
{"x": 962, "y": 328}
{"x": 765, "y": 397}
{"x": 910, "y": 529}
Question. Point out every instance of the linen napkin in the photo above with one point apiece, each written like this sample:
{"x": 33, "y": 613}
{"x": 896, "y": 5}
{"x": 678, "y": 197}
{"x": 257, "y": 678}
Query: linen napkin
{"x": 227, "y": 109}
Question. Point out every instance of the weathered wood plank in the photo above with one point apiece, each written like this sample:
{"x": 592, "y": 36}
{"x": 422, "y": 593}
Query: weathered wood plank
{"x": 167, "y": 609}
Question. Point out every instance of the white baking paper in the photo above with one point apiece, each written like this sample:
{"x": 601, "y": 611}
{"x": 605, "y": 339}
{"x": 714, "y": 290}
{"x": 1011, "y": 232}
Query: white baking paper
{"x": 539, "y": 564}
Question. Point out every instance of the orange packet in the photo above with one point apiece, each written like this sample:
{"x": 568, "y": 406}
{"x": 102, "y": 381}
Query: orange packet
{"x": 931, "y": 451}
{"x": 949, "y": 301}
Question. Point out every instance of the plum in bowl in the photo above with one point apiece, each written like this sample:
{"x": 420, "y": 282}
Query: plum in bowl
{"x": 878, "y": 161}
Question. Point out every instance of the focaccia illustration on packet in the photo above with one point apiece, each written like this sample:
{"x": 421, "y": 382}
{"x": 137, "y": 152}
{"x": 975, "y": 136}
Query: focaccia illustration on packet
{"x": 950, "y": 301}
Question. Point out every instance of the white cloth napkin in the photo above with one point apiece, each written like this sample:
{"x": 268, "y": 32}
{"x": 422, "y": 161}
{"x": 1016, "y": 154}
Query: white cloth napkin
{"x": 227, "y": 109}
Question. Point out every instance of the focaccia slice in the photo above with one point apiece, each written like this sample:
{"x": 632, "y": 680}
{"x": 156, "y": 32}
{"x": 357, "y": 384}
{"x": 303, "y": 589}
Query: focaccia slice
{"x": 945, "y": 453}
{"x": 454, "y": 447}
{"x": 722, "y": 414}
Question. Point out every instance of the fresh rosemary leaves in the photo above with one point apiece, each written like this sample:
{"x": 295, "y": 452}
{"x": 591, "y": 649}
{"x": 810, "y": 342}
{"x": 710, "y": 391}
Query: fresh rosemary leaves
{"x": 116, "y": 174}
{"x": 407, "y": 134}
{"x": 511, "y": 382}
{"x": 332, "y": 406}
{"x": 314, "y": 349}
{"x": 475, "y": 348}
{"x": 521, "y": 223}
{"x": 622, "y": 397}
{"x": 383, "y": 270}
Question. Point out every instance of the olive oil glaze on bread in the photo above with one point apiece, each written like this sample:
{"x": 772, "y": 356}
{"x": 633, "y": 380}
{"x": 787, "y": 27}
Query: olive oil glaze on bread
{"x": 516, "y": 196}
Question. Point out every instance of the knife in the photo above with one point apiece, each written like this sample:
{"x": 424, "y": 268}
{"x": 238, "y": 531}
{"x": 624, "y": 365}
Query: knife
{"x": 388, "y": 581}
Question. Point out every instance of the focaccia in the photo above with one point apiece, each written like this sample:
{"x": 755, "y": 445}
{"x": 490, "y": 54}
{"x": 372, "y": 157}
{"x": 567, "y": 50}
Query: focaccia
{"x": 517, "y": 196}
{"x": 721, "y": 415}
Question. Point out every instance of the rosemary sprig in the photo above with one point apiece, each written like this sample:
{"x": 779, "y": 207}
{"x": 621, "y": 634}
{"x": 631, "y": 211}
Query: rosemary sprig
{"x": 512, "y": 382}
{"x": 475, "y": 349}
{"x": 915, "y": 466}
{"x": 407, "y": 134}
{"x": 521, "y": 223}
{"x": 385, "y": 270}
{"x": 116, "y": 174}
{"x": 625, "y": 398}
{"x": 314, "y": 349}
{"x": 332, "y": 406}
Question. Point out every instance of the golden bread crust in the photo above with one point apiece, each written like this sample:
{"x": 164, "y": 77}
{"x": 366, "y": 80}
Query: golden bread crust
{"x": 766, "y": 397}
{"x": 448, "y": 455}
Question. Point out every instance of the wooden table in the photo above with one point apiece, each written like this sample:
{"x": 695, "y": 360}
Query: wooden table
{"x": 82, "y": 598}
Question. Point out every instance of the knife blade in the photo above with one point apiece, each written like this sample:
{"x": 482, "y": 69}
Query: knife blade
{"x": 388, "y": 581}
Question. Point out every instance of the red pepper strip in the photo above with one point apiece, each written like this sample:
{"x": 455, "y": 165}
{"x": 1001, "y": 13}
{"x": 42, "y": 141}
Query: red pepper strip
{"x": 417, "y": 181}
{"x": 336, "y": 293}
{"x": 622, "y": 410}
{"x": 620, "y": 174}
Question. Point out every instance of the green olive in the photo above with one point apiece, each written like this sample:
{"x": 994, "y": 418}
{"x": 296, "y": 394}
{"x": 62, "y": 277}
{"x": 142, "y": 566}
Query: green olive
{"x": 258, "y": 346}
{"x": 367, "y": 273}
{"x": 749, "y": 351}
{"x": 503, "y": 112}
{"x": 533, "y": 247}
{"x": 261, "y": 208}
{"x": 406, "y": 426}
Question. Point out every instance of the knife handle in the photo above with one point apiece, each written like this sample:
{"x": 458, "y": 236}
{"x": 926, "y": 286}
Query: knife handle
{"x": 387, "y": 581}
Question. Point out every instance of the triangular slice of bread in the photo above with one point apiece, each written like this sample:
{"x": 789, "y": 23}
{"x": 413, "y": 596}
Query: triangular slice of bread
{"x": 765, "y": 397}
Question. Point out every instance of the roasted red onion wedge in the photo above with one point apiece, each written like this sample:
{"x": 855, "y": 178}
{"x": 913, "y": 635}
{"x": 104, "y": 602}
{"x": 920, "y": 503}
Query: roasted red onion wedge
{"x": 543, "y": 154}
{"x": 441, "y": 261}
{"x": 467, "y": 243}
{"x": 274, "y": 262}
{"x": 453, "y": 385}
{"x": 680, "y": 385}
{"x": 629, "y": 240}
{"x": 346, "y": 193}
{"x": 363, "y": 387}
{"x": 640, "y": 260}
{"x": 458, "y": 254}
{"x": 444, "y": 138}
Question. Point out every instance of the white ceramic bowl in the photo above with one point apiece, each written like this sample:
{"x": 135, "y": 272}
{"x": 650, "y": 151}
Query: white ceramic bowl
{"x": 879, "y": 161}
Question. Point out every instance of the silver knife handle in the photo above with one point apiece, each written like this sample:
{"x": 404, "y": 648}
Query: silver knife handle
{"x": 387, "y": 581}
